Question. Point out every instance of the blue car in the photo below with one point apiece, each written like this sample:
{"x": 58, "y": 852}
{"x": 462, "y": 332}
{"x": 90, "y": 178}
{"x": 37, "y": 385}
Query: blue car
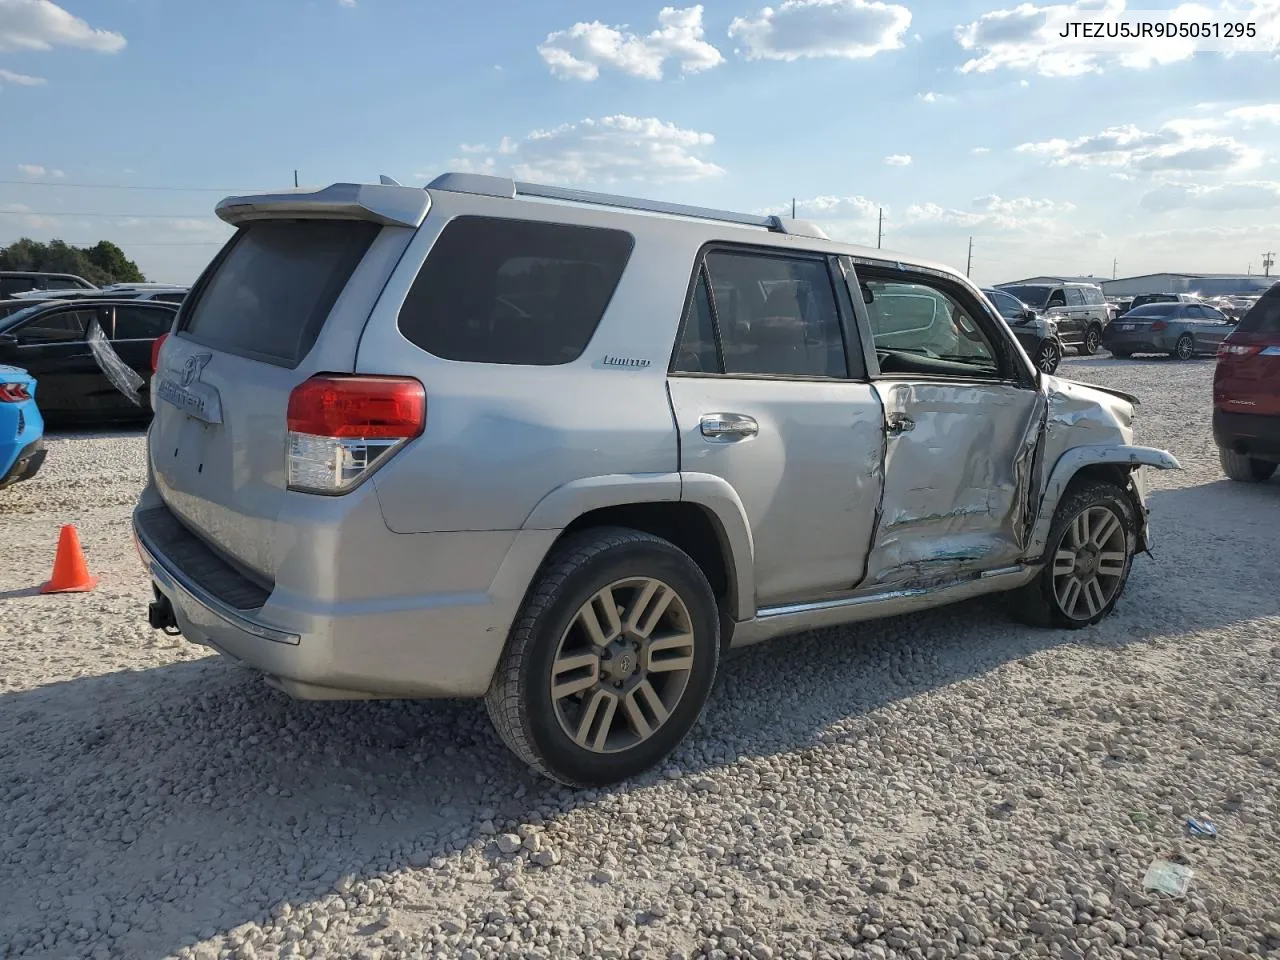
{"x": 21, "y": 427}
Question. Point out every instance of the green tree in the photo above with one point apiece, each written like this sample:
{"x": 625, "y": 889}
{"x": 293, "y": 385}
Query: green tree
{"x": 100, "y": 264}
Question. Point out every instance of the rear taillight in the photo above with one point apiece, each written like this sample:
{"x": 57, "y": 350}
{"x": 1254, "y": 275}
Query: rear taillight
{"x": 14, "y": 392}
{"x": 1238, "y": 349}
{"x": 1159, "y": 325}
{"x": 155, "y": 351}
{"x": 342, "y": 427}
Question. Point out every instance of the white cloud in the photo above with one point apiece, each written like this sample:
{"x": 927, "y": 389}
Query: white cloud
{"x": 830, "y": 208}
{"x": 991, "y": 212}
{"x": 346, "y": 3}
{"x": 20, "y": 79}
{"x": 898, "y": 159}
{"x": 579, "y": 52}
{"x": 474, "y": 147}
{"x": 979, "y": 151}
{"x": 31, "y": 170}
{"x": 43, "y": 25}
{"x": 603, "y": 150}
{"x": 931, "y": 97}
{"x": 1026, "y": 37}
{"x": 853, "y": 29}
{"x": 1177, "y": 145}
{"x": 1257, "y": 113}
{"x": 1246, "y": 195}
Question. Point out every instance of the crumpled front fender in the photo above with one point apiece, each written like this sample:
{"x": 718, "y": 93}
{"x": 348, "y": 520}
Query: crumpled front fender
{"x": 1078, "y": 458}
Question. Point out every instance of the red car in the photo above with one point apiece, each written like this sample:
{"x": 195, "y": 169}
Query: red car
{"x": 1246, "y": 393}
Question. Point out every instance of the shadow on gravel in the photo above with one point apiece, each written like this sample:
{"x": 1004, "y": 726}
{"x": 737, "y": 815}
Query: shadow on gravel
{"x": 160, "y": 806}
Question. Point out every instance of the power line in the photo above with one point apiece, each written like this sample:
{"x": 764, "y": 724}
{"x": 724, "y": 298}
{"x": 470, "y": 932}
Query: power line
{"x": 123, "y": 216}
{"x": 127, "y": 186}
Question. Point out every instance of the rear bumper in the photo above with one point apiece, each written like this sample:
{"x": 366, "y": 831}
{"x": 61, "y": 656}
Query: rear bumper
{"x": 430, "y": 644}
{"x": 1248, "y": 434}
{"x": 25, "y": 465}
{"x": 1136, "y": 343}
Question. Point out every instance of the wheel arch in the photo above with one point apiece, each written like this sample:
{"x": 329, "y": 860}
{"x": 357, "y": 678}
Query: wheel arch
{"x": 699, "y": 513}
{"x": 1114, "y": 463}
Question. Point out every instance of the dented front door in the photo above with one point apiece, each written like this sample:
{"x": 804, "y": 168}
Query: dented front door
{"x": 958, "y": 457}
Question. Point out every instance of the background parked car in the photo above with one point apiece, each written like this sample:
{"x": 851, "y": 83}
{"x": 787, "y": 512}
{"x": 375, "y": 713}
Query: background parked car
{"x": 1037, "y": 333}
{"x": 1145, "y": 298}
{"x": 165, "y": 292}
{"x": 20, "y": 281}
{"x": 1246, "y": 393}
{"x": 1179, "y": 329}
{"x": 21, "y": 427}
{"x": 1079, "y": 309}
{"x": 51, "y": 340}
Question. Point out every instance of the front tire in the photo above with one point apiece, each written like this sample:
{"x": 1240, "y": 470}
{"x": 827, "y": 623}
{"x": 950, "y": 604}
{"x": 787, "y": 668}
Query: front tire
{"x": 1048, "y": 357}
{"x": 1245, "y": 469}
{"x": 610, "y": 660}
{"x": 1091, "y": 547}
{"x": 1185, "y": 348}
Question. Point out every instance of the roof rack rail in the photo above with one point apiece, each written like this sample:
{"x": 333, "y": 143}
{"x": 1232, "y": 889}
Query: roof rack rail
{"x": 490, "y": 186}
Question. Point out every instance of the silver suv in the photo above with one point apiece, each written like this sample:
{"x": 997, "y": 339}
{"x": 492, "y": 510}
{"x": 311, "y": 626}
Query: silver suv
{"x": 560, "y": 450}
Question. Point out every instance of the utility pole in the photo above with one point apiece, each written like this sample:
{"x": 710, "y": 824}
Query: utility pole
{"x": 880, "y": 229}
{"x": 295, "y": 178}
{"x": 793, "y": 208}
{"x": 1114, "y": 261}
{"x": 1268, "y": 261}
{"x": 969, "y": 266}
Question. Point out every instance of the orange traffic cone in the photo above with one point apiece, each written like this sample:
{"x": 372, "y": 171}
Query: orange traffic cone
{"x": 70, "y": 572}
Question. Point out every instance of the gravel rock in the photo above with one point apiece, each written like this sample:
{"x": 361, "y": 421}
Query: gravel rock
{"x": 947, "y": 784}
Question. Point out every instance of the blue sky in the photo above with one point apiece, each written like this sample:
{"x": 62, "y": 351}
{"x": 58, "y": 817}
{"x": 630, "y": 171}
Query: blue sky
{"x": 958, "y": 118}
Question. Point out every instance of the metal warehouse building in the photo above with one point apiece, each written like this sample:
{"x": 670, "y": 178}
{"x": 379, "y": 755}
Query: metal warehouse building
{"x": 1205, "y": 284}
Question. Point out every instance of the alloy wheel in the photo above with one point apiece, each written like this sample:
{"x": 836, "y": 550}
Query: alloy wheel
{"x": 1049, "y": 358}
{"x": 1089, "y": 565}
{"x": 622, "y": 665}
{"x": 1184, "y": 349}
{"x": 1092, "y": 341}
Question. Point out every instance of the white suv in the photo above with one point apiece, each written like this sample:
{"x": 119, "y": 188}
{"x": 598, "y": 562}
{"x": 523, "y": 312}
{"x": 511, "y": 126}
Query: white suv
{"x": 559, "y": 450}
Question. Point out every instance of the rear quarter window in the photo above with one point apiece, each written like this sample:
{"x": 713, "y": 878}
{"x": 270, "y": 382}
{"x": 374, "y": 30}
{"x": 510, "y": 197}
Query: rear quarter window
{"x": 268, "y": 294}
{"x": 1263, "y": 316}
{"x": 494, "y": 290}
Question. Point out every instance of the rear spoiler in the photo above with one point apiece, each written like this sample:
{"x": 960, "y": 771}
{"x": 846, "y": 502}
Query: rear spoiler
{"x": 394, "y": 206}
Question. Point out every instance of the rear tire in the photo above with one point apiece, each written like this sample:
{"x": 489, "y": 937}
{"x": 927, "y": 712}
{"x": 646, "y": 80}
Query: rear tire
{"x": 1092, "y": 341}
{"x": 594, "y": 686}
{"x": 1185, "y": 348}
{"x": 1245, "y": 469}
{"x": 1091, "y": 546}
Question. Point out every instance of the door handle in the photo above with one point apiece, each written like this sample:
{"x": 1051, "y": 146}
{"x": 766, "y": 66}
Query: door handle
{"x": 728, "y": 426}
{"x": 899, "y": 423}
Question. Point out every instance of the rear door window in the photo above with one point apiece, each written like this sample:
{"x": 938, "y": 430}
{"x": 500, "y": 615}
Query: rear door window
{"x": 65, "y": 326}
{"x": 495, "y": 290}
{"x": 11, "y": 285}
{"x": 141, "y": 323}
{"x": 271, "y": 290}
{"x": 1075, "y": 297}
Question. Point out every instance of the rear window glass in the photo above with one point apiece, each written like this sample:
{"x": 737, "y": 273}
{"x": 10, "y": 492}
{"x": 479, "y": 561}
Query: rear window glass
{"x": 1263, "y": 316}
{"x": 270, "y": 293}
{"x": 1154, "y": 310}
{"x": 142, "y": 323}
{"x": 513, "y": 291}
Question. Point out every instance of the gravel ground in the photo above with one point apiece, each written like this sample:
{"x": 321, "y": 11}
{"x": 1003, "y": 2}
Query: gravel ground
{"x": 941, "y": 785}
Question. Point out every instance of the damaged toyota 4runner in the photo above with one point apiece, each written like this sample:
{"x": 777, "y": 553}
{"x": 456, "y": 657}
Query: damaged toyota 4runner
{"x": 560, "y": 450}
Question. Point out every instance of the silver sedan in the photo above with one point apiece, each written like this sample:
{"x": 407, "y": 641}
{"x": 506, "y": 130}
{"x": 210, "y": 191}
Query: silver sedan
{"x": 1180, "y": 330}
